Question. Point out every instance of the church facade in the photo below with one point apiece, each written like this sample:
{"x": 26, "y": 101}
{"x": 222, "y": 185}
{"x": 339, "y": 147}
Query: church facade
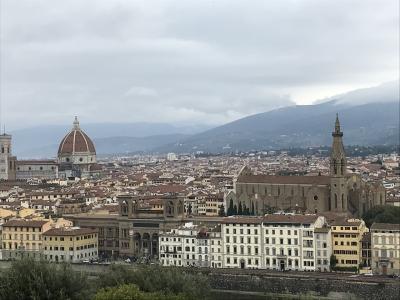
{"x": 339, "y": 192}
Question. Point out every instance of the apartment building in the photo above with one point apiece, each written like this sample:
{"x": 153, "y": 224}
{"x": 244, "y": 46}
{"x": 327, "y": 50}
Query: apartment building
{"x": 347, "y": 235}
{"x": 290, "y": 241}
{"x": 188, "y": 245}
{"x": 216, "y": 247}
{"x": 323, "y": 251}
{"x": 70, "y": 244}
{"x": 385, "y": 248}
{"x": 23, "y": 238}
{"x": 241, "y": 241}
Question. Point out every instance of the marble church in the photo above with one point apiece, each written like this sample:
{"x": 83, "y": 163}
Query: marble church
{"x": 340, "y": 192}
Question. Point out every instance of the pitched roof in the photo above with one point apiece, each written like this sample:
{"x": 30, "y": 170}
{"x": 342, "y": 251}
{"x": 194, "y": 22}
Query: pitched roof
{"x": 274, "y": 179}
{"x": 385, "y": 226}
{"x": 69, "y": 231}
{"x": 25, "y": 223}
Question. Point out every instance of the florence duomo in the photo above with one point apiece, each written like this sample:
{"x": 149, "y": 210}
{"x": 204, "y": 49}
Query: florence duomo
{"x": 199, "y": 150}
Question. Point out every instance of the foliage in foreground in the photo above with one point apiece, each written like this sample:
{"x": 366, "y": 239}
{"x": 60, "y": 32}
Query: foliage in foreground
{"x": 151, "y": 279}
{"x": 382, "y": 214}
{"x": 29, "y": 279}
{"x": 132, "y": 292}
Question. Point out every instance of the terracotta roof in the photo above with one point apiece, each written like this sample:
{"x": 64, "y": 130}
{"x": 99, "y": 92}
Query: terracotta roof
{"x": 319, "y": 180}
{"x": 69, "y": 231}
{"x": 25, "y": 223}
{"x": 385, "y": 226}
{"x": 242, "y": 220}
{"x": 76, "y": 141}
{"x": 293, "y": 219}
{"x": 322, "y": 230}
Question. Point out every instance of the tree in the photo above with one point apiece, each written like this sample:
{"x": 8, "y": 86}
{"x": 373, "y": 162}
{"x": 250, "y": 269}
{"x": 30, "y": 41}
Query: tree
{"x": 154, "y": 279}
{"x": 221, "y": 212}
{"x": 230, "y": 208}
{"x": 29, "y": 279}
{"x": 132, "y": 292}
{"x": 240, "y": 209}
{"x": 252, "y": 209}
{"x": 333, "y": 261}
{"x": 235, "y": 210}
{"x": 244, "y": 209}
{"x": 382, "y": 214}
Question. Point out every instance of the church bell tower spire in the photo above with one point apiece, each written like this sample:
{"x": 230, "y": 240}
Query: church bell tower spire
{"x": 338, "y": 165}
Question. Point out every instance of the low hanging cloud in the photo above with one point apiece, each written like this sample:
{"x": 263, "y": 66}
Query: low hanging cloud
{"x": 187, "y": 62}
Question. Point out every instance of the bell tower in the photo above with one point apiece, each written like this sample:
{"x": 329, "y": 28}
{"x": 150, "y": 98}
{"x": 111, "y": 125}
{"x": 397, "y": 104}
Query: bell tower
{"x": 338, "y": 164}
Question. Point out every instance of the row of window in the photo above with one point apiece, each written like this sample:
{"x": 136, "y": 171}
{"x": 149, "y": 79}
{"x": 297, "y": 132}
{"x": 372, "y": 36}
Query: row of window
{"x": 61, "y": 248}
{"x": 347, "y": 243}
{"x": 24, "y": 229}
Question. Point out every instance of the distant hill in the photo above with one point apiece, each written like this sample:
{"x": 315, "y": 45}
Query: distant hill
{"x": 43, "y": 141}
{"x": 299, "y": 126}
{"x": 368, "y": 117}
{"x": 373, "y": 123}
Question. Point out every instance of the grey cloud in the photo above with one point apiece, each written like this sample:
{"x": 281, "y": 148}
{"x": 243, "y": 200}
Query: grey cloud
{"x": 204, "y": 62}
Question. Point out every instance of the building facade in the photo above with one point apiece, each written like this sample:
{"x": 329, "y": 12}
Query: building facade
{"x": 70, "y": 244}
{"x": 385, "y": 248}
{"x": 339, "y": 192}
{"x": 23, "y": 238}
{"x": 7, "y": 161}
{"x": 39, "y": 169}
{"x": 347, "y": 235}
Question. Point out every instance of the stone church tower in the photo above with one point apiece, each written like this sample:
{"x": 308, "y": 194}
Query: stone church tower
{"x": 338, "y": 181}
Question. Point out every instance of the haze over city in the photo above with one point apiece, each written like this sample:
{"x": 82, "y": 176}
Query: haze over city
{"x": 201, "y": 63}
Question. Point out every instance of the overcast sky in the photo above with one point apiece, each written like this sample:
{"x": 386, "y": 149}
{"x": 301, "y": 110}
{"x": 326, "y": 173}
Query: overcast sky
{"x": 193, "y": 62}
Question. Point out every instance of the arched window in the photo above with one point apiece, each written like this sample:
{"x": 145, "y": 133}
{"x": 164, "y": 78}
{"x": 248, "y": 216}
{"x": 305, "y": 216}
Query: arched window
{"x": 335, "y": 200}
{"x": 342, "y": 201}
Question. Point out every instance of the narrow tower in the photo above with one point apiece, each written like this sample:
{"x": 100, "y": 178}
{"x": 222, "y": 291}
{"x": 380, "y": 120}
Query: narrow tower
{"x": 338, "y": 199}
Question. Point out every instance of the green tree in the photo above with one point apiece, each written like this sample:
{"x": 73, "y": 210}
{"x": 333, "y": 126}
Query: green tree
{"x": 240, "y": 209}
{"x": 235, "y": 210}
{"x": 29, "y": 279}
{"x": 382, "y": 214}
{"x": 333, "y": 261}
{"x": 252, "y": 209}
{"x": 152, "y": 279}
{"x": 132, "y": 292}
{"x": 221, "y": 212}
{"x": 230, "y": 208}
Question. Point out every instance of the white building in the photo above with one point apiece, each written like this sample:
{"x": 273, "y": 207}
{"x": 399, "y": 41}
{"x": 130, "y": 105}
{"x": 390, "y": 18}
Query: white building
{"x": 323, "y": 247}
{"x": 188, "y": 245}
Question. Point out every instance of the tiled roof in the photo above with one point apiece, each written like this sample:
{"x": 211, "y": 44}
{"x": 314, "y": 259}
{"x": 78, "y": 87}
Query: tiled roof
{"x": 273, "y": 179}
{"x": 385, "y": 226}
{"x": 69, "y": 231}
{"x": 25, "y": 223}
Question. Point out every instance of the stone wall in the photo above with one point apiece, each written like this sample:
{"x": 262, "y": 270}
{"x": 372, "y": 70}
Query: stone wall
{"x": 324, "y": 287}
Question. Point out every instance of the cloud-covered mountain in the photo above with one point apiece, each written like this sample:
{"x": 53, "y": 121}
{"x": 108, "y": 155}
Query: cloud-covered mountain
{"x": 368, "y": 117}
{"x": 43, "y": 141}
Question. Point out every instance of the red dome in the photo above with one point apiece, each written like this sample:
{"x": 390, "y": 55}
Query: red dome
{"x": 76, "y": 141}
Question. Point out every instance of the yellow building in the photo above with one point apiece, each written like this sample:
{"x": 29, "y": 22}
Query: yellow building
{"x": 23, "y": 238}
{"x": 70, "y": 244}
{"x": 346, "y": 241}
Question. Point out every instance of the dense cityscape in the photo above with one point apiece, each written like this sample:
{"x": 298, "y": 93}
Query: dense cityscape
{"x": 259, "y": 211}
{"x": 199, "y": 150}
